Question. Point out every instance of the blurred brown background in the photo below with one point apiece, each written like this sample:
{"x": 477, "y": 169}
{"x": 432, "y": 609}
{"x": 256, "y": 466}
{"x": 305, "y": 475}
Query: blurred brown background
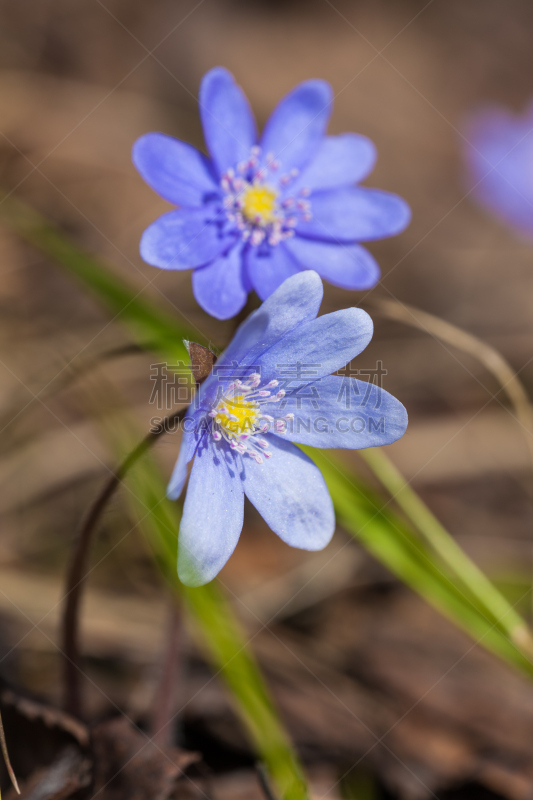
{"x": 79, "y": 82}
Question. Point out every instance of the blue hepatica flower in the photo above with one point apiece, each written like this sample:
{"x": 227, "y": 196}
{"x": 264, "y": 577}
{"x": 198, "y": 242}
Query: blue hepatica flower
{"x": 500, "y": 164}
{"x": 242, "y": 427}
{"x": 258, "y": 211}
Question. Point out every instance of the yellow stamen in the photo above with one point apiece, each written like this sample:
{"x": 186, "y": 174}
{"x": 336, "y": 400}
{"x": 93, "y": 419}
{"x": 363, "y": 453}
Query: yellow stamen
{"x": 259, "y": 204}
{"x": 244, "y": 411}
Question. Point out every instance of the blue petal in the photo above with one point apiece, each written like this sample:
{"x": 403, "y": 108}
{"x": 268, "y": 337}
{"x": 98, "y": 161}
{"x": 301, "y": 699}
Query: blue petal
{"x": 177, "y": 171}
{"x": 295, "y": 302}
{"x": 212, "y": 515}
{"x": 219, "y": 288}
{"x": 183, "y": 239}
{"x": 291, "y": 495}
{"x": 343, "y": 412}
{"x": 351, "y": 215}
{"x": 347, "y": 265}
{"x": 499, "y": 157}
{"x": 323, "y": 346}
{"x": 268, "y": 267}
{"x": 229, "y": 126}
{"x": 339, "y": 161}
{"x": 297, "y": 125}
{"x": 190, "y": 440}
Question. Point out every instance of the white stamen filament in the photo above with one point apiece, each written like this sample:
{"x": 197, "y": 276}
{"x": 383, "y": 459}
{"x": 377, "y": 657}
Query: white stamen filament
{"x": 251, "y": 200}
{"x": 239, "y": 420}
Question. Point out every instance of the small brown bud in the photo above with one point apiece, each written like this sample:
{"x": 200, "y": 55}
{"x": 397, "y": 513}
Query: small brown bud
{"x": 202, "y": 361}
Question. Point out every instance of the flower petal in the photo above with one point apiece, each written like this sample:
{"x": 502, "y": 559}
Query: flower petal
{"x": 347, "y": 265}
{"x": 351, "y": 215}
{"x": 295, "y": 302}
{"x": 175, "y": 170}
{"x": 339, "y": 161}
{"x": 297, "y": 125}
{"x": 499, "y": 154}
{"x": 190, "y": 441}
{"x": 183, "y": 239}
{"x": 343, "y": 412}
{"x": 291, "y": 495}
{"x": 228, "y": 123}
{"x": 212, "y": 515}
{"x": 322, "y": 346}
{"x": 268, "y": 267}
{"x": 219, "y": 288}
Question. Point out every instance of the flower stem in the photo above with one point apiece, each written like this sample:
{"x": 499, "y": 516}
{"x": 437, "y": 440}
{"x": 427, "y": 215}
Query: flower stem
{"x": 76, "y": 572}
{"x": 491, "y": 359}
{"x": 165, "y": 695}
{"x": 5, "y": 754}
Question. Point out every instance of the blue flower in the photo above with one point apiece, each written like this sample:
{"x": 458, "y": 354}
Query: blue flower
{"x": 270, "y": 388}
{"x": 499, "y": 157}
{"x": 258, "y": 211}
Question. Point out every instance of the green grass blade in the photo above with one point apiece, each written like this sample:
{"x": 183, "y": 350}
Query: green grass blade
{"x": 392, "y": 542}
{"x": 210, "y": 611}
{"x": 473, "y": 579}
{"x": 442, "y": 573}
{"x": 151, "y": 326}
{"x": 218, "y": 632}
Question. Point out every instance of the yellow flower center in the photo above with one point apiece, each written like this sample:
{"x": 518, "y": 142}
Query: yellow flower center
{"x": 241, "y": 416}
{"x": 259, "y": 204}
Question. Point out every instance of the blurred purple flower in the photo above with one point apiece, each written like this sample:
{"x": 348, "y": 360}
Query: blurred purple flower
{"x": 259, "y": 211}
{"x": 241, "y": 428}
{"x": 499, "y": 157}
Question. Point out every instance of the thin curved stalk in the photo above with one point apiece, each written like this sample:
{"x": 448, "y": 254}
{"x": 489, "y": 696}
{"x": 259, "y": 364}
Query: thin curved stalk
{"x": 5, "y": 754}
{"x": 164, "y": 701}
{"x": 78, "y": 564}
{"x": 411, "y": 504}
{"x": 213, "y": 622}
{"x": 488, "y": 356}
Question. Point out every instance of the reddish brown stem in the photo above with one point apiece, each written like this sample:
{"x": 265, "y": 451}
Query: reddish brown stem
{"x": 166, "y": 695}
{"x": 77, "y": 570}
